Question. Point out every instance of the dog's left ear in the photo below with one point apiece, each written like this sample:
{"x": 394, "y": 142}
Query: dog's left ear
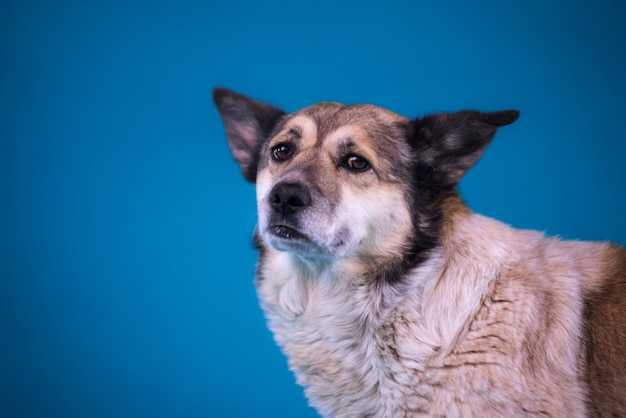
{"x": 248, "y": 124}
{"x": 449, "y": 144}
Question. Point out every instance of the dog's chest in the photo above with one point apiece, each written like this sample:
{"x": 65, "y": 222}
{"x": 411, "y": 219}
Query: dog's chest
{"x": 357, "y": 355}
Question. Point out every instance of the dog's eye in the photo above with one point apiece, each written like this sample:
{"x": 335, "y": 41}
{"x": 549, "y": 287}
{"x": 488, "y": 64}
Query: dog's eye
{"x": 356, "y": 163}
{"x": 281, "y": 152}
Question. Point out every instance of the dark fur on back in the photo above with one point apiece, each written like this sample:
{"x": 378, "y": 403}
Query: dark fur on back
{"x": 605, "y": 337}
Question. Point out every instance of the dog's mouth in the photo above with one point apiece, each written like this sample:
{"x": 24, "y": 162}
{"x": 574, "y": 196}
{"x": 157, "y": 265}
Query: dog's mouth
{"x": 286, "y": 238}
{"x": 287, "y": 233}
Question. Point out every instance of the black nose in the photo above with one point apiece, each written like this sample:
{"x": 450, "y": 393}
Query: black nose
{"x": 286, "y": 198}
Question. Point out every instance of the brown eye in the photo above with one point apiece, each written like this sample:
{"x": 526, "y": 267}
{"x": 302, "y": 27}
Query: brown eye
{"x": 281, "y": 152}
{"x": 356, "y": 163}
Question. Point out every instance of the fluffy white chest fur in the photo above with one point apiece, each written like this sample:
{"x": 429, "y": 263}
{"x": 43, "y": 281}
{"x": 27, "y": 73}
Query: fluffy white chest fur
{"x": 472, "y": 333}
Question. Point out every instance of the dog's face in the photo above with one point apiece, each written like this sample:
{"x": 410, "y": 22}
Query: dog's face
{"x": 338, "y": 181}
{"x": 329, "y": 182}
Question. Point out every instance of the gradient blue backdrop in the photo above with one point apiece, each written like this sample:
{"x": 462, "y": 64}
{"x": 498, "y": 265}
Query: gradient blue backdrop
{"x": 125, "y": 257}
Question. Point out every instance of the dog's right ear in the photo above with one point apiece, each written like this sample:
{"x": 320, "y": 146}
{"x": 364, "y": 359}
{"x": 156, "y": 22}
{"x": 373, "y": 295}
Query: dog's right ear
{"x": 248, "y": 124}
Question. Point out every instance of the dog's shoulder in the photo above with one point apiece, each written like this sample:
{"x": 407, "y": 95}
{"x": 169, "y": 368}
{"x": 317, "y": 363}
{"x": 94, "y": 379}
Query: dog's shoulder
{"x": 568, "y": 297}
{"x": 582, "y": 287}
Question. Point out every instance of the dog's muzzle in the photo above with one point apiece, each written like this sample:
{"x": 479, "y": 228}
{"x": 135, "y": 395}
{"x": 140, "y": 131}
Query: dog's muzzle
{"x": 296, "y": 219}
{"x": 286, "y": 202}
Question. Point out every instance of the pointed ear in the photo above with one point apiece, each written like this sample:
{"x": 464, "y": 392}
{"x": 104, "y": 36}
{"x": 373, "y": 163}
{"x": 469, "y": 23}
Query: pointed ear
{"x": 248, "y": 124}
{"x": 449, "y": 144}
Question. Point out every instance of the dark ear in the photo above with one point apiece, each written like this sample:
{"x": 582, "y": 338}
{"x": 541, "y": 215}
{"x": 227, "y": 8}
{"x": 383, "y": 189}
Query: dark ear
{"x": 248, "y": 123}
{"x": 449, "y": 144}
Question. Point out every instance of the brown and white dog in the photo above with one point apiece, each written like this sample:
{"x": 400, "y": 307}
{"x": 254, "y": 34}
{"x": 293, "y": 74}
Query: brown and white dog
{"x": 390, "y": 298}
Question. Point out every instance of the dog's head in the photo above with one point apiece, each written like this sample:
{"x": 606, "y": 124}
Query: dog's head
{"x": 338, "y": 181}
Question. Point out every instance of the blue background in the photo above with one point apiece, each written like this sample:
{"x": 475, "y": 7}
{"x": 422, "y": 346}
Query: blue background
{"x": 125, "y": 257}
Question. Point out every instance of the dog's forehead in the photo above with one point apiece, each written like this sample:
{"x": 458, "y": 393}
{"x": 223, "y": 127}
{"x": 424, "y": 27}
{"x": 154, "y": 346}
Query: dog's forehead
{"x": 319, "y": 121}
{"x": 329, "y": 117}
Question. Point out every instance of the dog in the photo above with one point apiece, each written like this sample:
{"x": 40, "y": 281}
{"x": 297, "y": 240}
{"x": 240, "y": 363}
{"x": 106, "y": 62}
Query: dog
{"x": 391, "y": 298}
